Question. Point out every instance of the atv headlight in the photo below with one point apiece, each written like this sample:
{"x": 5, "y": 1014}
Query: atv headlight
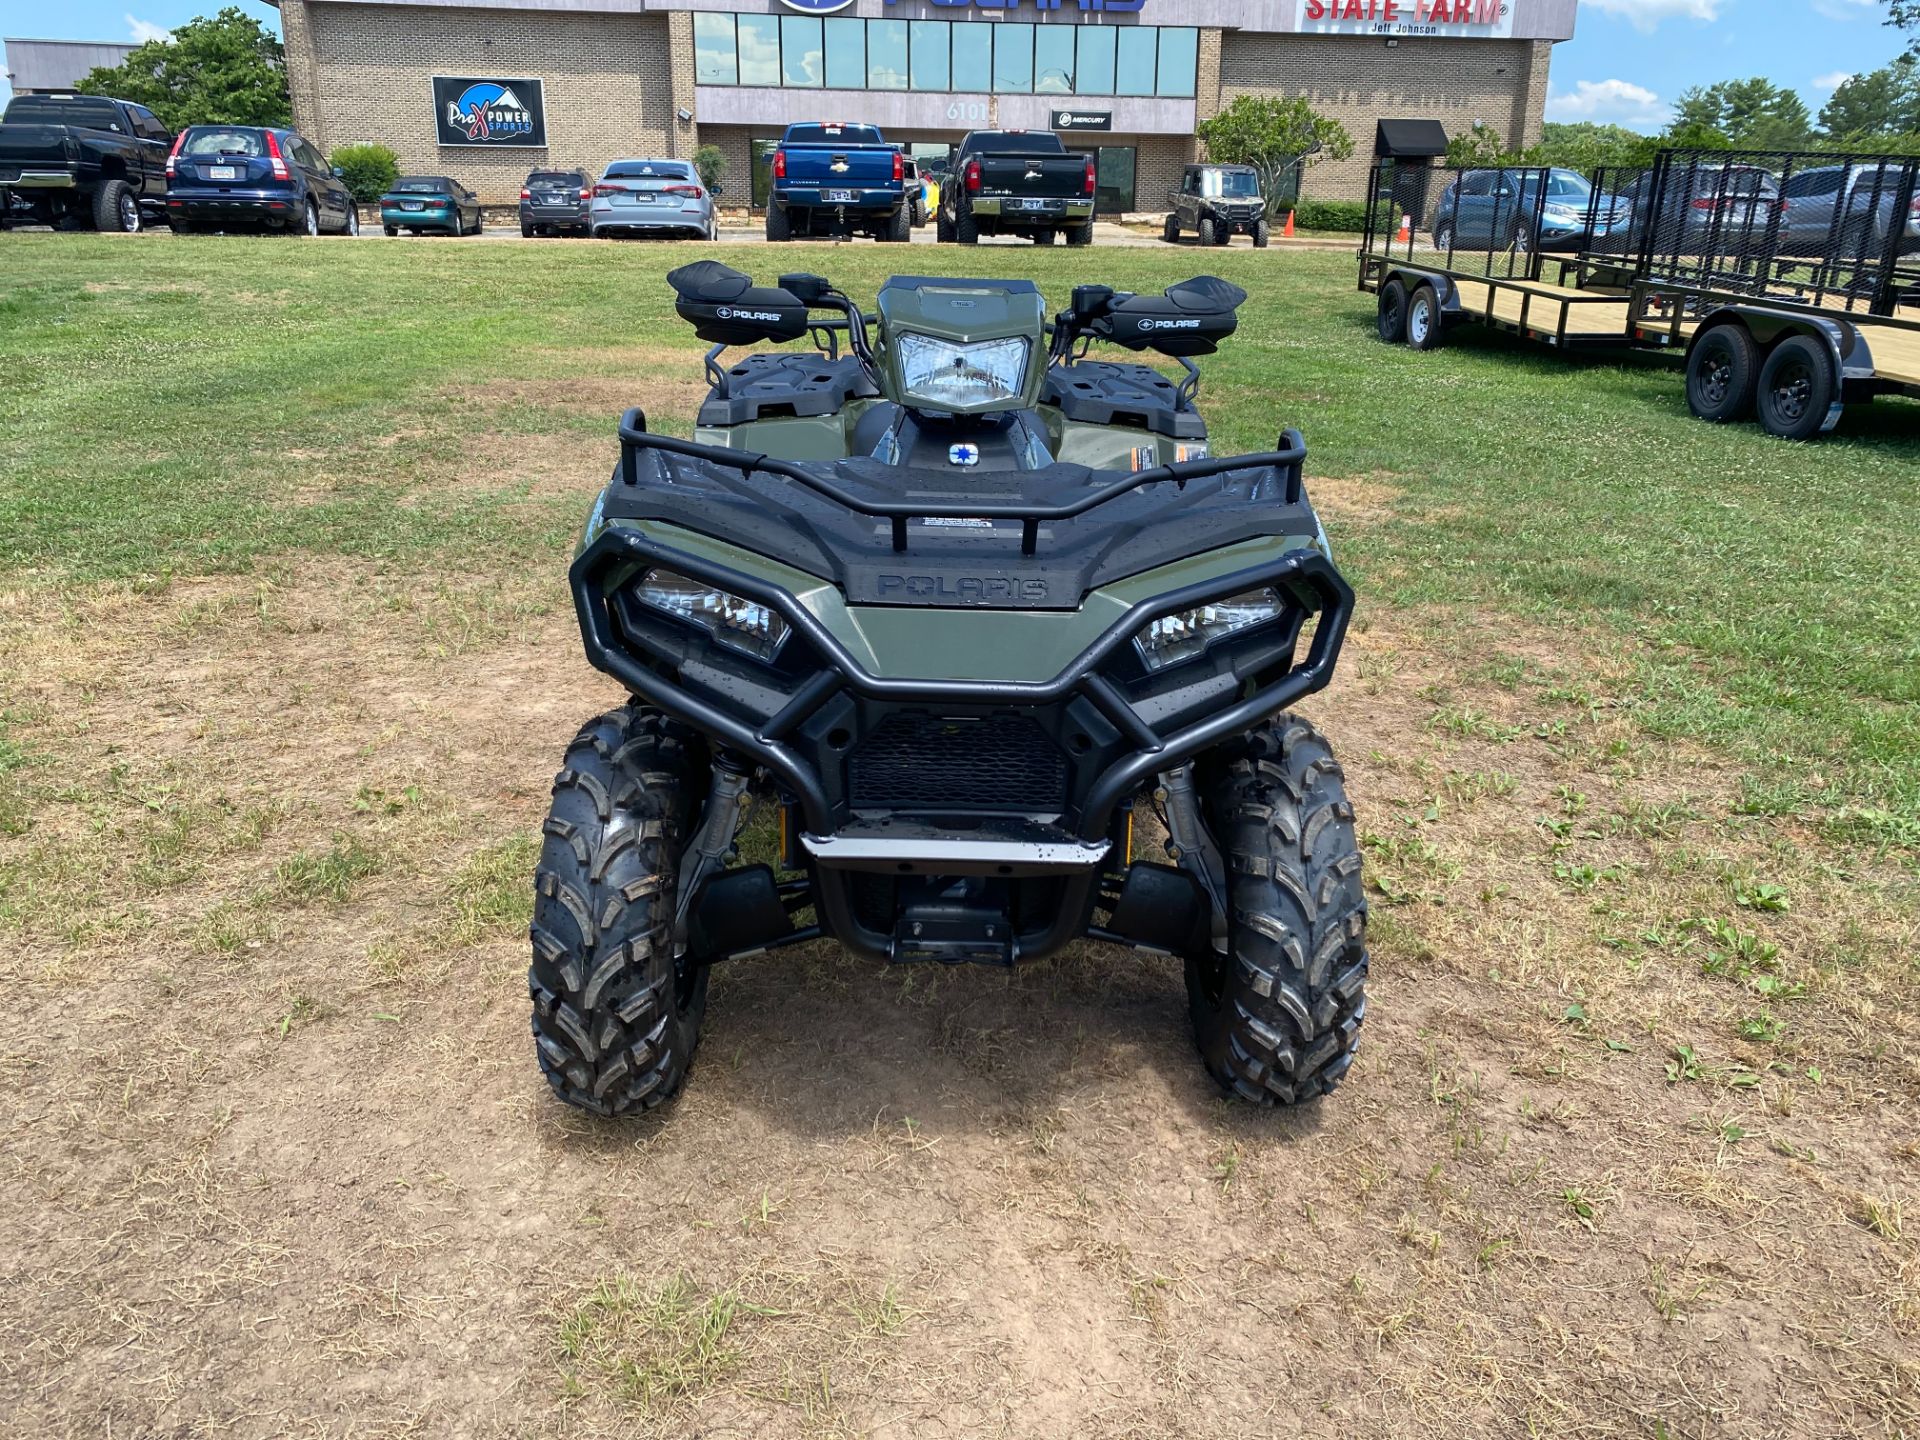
{"x": 941, "y": 372}
{"x": 1185, "y": 634}
{"x": 744, "y": 625}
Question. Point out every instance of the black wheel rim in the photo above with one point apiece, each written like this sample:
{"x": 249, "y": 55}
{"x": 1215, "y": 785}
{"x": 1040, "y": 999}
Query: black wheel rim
{"x": 1390, "y": 312}
{"x": 1792, "y": 391}
{"x": 1716, "y": 379}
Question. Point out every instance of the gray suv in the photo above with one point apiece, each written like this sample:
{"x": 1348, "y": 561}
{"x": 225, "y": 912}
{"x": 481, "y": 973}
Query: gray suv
{"x": 555, "y": 202}
{"x": 660, "y": 197}
{"x": 1862, "y": 197}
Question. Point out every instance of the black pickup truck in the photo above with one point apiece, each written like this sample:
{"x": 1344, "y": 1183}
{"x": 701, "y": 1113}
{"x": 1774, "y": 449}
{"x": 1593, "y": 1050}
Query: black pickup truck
{"x": 70, "y": 160}
{"x": 1008, "y": 182}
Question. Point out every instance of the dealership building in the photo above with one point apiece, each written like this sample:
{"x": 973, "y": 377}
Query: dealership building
{"x": 486, "y": 92}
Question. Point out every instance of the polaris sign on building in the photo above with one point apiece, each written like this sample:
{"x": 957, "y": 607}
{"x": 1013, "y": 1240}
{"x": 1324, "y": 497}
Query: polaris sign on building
{"x": 1128, "y": 82}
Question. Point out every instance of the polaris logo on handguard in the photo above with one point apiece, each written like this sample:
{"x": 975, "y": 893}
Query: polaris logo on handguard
{"x": 1169, "y": 324}
{"x": 962, "y": 589}
{"x": 728, "y": 312}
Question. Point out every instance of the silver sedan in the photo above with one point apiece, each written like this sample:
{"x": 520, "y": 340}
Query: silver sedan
{"x": 661, "y": 196}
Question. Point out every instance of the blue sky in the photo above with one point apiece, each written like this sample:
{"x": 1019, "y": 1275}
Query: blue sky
{"x": 1627, "y": 61}
{"x": 1630, "y": 58}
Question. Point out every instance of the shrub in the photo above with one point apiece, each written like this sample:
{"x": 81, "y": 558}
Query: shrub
{"x": 710, "y": 164}
{"x": 369, "y": 170}
{"x": 1345, "y": 217}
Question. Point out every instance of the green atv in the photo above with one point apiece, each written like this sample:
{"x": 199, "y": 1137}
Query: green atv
{"x": 961, "y": 608}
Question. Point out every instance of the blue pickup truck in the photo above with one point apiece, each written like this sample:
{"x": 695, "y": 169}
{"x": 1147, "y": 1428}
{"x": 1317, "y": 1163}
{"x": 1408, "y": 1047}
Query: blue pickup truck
{"x": 836, "y": 179}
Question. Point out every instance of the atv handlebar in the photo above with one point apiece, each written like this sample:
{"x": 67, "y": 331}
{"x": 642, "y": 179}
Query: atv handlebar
{"x": 1028, "y": 508}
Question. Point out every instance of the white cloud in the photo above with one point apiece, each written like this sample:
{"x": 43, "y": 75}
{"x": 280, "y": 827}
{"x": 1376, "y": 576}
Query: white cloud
{"x": 1645, "y": 15}
{"x": 145, "y": 30}
{"x": 1832, "y": 80}
{"x": 1616, "y": 102}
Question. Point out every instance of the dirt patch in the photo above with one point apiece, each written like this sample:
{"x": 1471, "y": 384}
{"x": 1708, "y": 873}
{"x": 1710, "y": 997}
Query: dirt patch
{"x": 665, "y": 381}
{"x": 1353, "y": 499}
{"x": 279, "y": 1160}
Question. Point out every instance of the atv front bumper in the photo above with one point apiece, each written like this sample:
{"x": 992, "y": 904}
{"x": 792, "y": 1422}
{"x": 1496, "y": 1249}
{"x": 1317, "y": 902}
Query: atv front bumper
{"x": 894, "y": 778}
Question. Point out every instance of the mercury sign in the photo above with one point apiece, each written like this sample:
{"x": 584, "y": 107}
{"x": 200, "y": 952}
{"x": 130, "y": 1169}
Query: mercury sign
{"x": 1477, "y": 19}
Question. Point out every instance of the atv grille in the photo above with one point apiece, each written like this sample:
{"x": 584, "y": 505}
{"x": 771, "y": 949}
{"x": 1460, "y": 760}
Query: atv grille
{"x": 916, "y": 761}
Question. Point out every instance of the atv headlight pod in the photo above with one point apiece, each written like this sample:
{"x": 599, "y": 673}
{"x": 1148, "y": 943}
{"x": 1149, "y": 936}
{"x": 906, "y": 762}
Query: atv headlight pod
{"x": 744, "y": 625}
{"x": 943, "y": 372}
{"x": 1187, "y": 633}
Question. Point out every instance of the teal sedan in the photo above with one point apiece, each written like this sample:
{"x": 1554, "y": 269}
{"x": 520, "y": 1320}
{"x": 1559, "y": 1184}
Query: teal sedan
{"x": 430, "y": 202}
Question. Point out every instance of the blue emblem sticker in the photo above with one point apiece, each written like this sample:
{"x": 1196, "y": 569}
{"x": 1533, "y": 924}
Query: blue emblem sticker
{"x": 963, "y": 454}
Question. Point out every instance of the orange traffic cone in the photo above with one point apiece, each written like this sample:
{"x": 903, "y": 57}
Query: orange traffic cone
{"x": 1406, "y": 231}
{"x": 1288, "y": 232}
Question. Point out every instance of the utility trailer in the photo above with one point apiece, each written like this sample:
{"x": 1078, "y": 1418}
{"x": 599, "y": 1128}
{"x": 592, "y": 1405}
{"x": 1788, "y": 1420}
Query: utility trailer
{"x": 1790, "y": 281}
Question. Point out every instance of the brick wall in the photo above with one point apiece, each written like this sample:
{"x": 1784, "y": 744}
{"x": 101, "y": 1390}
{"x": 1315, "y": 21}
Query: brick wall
{"x": 361, "y": 73}
{"x": 1358, "y": 80}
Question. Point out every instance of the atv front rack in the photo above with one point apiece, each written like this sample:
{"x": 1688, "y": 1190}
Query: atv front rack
{"x": 1029, "y": 507}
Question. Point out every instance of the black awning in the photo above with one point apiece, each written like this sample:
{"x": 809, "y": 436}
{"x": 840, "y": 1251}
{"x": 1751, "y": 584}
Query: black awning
{"x": 1409, "y": 140}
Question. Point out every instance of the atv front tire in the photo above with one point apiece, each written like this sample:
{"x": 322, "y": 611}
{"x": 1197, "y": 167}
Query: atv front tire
{"x": 1207, "y": 231}
{"x": 1277, "y": 1017}
{"x": 616, "y": 1017}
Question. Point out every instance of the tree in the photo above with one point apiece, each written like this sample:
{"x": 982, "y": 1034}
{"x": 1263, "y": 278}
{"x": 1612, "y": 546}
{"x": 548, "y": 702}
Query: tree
{"x": 1752, "y": 114}
{"x": 1276, "y": 136}
{"x": 1586, "y": 146}
{"x": 710, "y": 164}
{"x": 1880, "y": 102}
{"x": 1481, "y": 145}
{"x": 229, "y": 69}
{"x": 368, "y": 170}
{"x": 1905, "y": 15}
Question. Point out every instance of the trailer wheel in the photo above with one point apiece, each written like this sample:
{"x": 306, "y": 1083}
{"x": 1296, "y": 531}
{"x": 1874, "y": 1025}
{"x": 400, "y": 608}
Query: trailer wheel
{"x": 1423, "y": 319}
{"x": 1796, "y": 388}
{"x": 1393, "y": 312}
{"x": 1721, "y": 374}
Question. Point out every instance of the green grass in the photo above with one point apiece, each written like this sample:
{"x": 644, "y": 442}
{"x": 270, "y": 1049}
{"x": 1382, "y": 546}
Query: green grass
{"x": 166, "y": 405}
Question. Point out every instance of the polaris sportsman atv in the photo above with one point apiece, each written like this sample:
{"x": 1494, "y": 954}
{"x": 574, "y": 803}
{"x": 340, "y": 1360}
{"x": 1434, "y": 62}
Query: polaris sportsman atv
{"x": 962, "y": 609}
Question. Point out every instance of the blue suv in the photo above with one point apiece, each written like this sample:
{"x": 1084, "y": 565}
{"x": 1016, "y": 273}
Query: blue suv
{"x": 1495, "y": 209}
{"x": 224, "y": 177}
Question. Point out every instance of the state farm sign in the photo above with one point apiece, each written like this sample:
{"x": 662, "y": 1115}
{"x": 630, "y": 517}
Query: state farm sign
{"x": 1479, "y": 19}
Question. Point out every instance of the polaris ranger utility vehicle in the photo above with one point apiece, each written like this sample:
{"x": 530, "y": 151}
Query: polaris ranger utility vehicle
{"x": 990, "y": 635}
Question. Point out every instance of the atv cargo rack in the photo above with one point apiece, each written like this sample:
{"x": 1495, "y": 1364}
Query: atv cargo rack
{"x": 1028, "y": 507}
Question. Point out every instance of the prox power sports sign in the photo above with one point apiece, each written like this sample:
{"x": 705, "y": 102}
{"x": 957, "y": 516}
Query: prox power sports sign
{"x": 488, "y": 111}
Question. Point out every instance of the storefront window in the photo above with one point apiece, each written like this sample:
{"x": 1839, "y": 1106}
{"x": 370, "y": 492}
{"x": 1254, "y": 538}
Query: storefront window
{"x": 1095, "y": 76}
{"x": 972, "y": 55}
{"x": 886, "y": 54}
{"x": 1053, "y": 59}
{"x": 847, "y": 54}
{"x": 1133, "y": 63}
{"x": 935, "y": 56}
{"x": 802, "y": 63}
{"x": 714, "y": 58}
{"x": 1013, "y": 59}
{"x": 759, "y": 50}
{"x": 929, "y": 39}
{"x": 1179, "y": 59}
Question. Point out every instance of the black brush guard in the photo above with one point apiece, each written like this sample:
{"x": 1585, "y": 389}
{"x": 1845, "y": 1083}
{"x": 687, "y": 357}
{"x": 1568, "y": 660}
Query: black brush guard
{"x": 831, "y": 674}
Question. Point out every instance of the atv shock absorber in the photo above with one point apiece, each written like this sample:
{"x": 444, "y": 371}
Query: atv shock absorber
{"x": 1192, "y": 845}
{"x": 712, "y": 843}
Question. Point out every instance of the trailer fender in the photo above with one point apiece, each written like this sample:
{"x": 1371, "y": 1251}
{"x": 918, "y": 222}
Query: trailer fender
{"x": 1413, "y": 278}
{"x": 1852, "y": 359}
